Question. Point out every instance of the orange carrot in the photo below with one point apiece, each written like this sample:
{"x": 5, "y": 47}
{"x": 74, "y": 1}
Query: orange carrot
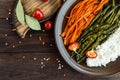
{"x": 80, "y": 17}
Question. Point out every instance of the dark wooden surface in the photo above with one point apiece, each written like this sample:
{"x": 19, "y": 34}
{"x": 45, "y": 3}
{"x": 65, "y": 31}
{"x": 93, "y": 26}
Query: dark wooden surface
{"x": 29, "y": 58}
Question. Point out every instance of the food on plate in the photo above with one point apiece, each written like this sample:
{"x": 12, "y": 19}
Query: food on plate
{"x": 74, "y": 46}
{"x": 80, "y": 17}
{"x": 107, "y": 51}
{"x": 91, "y": 54}
{"x": 99, "y": 41}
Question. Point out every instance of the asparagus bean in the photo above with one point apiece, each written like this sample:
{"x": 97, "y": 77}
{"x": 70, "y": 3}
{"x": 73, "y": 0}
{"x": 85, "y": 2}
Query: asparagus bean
{"x": 100, "y": 15}
{"x": 116, "y": 17}
{"x": 109, "y": 13}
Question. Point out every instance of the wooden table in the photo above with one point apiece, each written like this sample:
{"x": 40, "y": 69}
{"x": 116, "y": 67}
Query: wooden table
{"x": 35, "y": 57}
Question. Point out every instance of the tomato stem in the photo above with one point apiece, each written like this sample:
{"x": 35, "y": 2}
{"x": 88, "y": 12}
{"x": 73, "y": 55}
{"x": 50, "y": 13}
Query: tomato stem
{"x": 32, "y": 10}
{"x": 77, "y": 52}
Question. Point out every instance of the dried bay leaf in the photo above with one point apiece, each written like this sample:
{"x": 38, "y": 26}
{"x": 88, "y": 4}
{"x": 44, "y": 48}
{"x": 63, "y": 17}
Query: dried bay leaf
{"x": 32, "y": 23}
{"x": 20, "y": 13}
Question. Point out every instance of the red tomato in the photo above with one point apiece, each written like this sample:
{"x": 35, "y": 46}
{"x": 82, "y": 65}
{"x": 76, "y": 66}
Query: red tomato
{"x": 48, "y": 25}
{"x": 38, "y": 14}
{"x": 74, "y": 46}
{"x": 91, "y": 54}
{"x": 44, "y": 0}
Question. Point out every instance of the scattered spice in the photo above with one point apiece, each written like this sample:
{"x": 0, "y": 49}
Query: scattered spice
{"x": 23, "y": 57}
{"x": 43, "y": 30}
{"x": 6, "y": 35}
{"x": 57, "y": 59}
{"x": 30, "y": 35}
{"x": 51, "y": 45}
{"x": 6, "y": 44}
{"x": 42, "y": 66}
{"x": 13, "y": 46}
{"x": 20, "y": 42}
{"x": 9, "y": 12}
{"x": 35, "y": 58}
{"x": 44, "y": 58}
{"x": 42, "y": 63}
{"x": 40, "y": 38}
{"x": 43, "y": 43}
{"x": 41, "y": 59}
{"x": 48, "y": 59}
{"x": 7, "y": 18}
{"x": 65, "y": 75}
{"x": 13, "y": 30}
{"x": 60, "y": 66}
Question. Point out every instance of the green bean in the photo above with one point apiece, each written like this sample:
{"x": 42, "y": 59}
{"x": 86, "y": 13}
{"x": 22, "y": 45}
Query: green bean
{"x": 104, "y": 34}
{"x": 102, "y": 27}
{"x": 90, "y": 42}
{"x": 106, "y": 9}
{"x": 104, "y": 13}
{"x": 82, "y": 59}
{"x": 107, "y": 35}
{"x": 99, "y": 39}
{"x": 109, "y": 13}
{"x": 86, "y": 44}
{"x": 110, "y": 19}
{"x": 88, "y": 36}
{"x": 116, "y": 17}
{"x": 110, "y": 29}
{"x": 96, "y": 18}
{"x": 89, "y": 28}
{"x": 113, "y": 3}
{"x": 92, "y": 28}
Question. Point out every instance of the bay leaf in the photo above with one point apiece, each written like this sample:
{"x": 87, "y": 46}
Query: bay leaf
{"x": 32, "y": 23}
{"x": 20, "y": 13}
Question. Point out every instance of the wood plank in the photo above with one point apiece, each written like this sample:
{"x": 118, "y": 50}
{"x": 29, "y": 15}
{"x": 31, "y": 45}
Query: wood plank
{"x": 29, "y": 44}
{"x": 15, "y": 67}
{"x": 6, "y": 6}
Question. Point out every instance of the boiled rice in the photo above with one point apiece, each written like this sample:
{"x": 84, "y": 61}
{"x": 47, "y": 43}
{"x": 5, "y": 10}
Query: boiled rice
{"x": 107, "y": 51}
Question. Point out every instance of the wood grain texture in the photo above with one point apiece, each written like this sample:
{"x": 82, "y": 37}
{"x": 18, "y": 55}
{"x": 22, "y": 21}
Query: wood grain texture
{"x": 14, "y": 67}
{"x": 5, "y": 6}
{"x": 29, "y": 44}
{"x": 26, "y": 60}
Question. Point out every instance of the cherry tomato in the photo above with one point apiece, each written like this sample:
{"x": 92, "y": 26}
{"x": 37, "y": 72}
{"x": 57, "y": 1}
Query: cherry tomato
{"x": 44, "y": 0}
{"x": 74, "y": 46}
{"x": 48, "y": 25}
{"x": 91, "y": 54}
{"x": 38, "y": 14}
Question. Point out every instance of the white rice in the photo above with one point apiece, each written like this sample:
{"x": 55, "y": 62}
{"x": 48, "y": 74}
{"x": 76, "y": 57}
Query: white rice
{"x": 107, "y": 51}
